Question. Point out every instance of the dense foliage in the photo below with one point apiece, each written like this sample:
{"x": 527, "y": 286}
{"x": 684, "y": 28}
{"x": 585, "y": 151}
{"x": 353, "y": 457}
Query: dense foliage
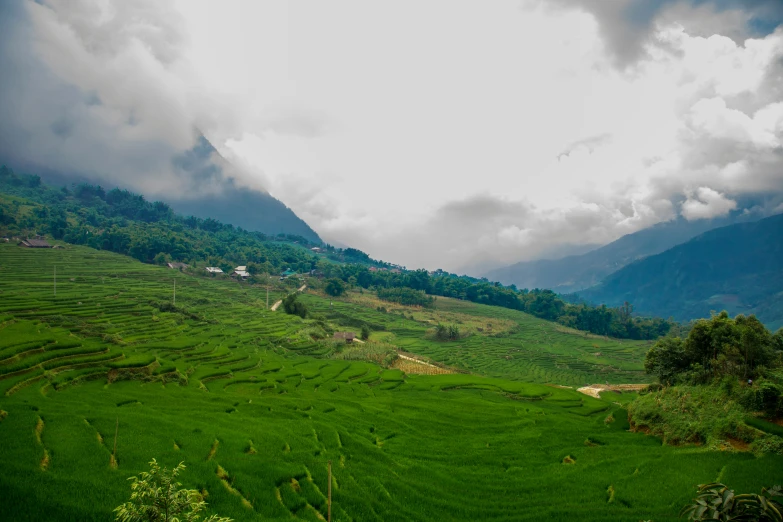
{"x": 292, "y": 306}
{"x": 718, "y": 385}
{"x": 121, "y": 221}
{"x": 405, "y": 296}
{"x": 716, "y": 347}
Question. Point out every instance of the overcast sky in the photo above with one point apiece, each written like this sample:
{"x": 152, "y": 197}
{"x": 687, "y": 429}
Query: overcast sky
{"x": 429, "y": 133}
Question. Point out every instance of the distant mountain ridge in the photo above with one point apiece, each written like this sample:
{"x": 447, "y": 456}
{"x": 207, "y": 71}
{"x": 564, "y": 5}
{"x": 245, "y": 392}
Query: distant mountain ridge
{"x": 738, "y": 268}
{"x": 574, "y": 273}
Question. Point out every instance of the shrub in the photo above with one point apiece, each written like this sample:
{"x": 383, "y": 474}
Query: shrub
{"x": 156, "y": 496}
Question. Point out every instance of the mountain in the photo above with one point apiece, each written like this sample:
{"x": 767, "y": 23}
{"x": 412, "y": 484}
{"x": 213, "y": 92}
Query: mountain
{"x": 210, "y": 190}
{"x": 249, "y": 209}
{"x": 239, "y": 206}
{"x": 738, "y": 268}
{"x": 578, "y": 272}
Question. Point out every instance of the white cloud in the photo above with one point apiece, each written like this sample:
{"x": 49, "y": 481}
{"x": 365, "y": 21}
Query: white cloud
{"x": 705, "y": 204}
{"x": 435, "y": 134}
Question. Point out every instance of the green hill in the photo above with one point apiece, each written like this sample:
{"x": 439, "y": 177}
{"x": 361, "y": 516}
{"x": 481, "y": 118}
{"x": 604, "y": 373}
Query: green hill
{"x": 578, "y": 272}
{"x": 738, "y": 268}
{"x": 221, "y": 383}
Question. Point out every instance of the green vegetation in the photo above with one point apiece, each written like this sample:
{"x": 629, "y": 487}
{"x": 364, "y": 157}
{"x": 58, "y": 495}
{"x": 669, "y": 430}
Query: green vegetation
{"x": 294, "y": 307}
{"x": 718, "y": 502}
{"x": 491, "y": 340}
{"x": 734, "y": 268}
{"x": 405, "y": 296}
{"x": 257, "y": 405}
{"x": 123, "y": 222}
{"x": 720, "y": 384}
{"x": 717, "y": 347}
{"x": 157, "y": 497}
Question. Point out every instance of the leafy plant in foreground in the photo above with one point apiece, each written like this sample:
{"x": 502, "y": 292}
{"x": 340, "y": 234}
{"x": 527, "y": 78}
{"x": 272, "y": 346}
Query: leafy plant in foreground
{"x": 717, "y": 502}
{"x": 156, "y": 497}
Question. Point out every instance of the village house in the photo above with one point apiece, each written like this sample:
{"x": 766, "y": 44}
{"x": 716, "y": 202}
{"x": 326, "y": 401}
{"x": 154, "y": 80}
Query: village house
{"x": 373, "y": 269}
{"x": 317, "y": 250}
{"x": 241, "y": 271}
{"x": 348, "y": 337}
{"x": 214, "y": 270}
{"x": 34, "y": 243}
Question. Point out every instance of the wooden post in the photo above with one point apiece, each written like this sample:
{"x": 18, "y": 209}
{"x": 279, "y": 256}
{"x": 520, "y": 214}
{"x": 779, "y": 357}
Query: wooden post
{"x": 55, "y": 280}
{"x": 267, "y": 297}
{"x": 329, "y": 489}
{"x": 175, "y": 292}
{"x": 116, "y": 429}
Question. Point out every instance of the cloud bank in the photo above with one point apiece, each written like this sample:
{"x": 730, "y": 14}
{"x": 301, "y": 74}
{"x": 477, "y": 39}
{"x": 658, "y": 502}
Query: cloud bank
{"x": 445, "y": 134}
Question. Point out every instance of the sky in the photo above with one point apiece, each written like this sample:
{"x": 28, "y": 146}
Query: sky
{"x": 452, "y": 134}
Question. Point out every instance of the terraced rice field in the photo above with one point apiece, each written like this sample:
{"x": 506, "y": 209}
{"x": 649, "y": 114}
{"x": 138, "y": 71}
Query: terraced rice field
{"x": 218, "y": 382}
{"x": 534, "y": 351}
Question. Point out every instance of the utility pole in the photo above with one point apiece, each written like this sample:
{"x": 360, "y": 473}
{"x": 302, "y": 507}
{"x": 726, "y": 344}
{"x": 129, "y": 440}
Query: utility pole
{"x": 175, "y": 292}
{"x": 55, "y": 280}
{"x": 329, "y": 489}
{"x": 116, "y": 430}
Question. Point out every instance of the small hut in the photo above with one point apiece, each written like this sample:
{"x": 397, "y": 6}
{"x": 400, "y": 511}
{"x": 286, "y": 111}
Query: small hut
{"x": 348, "y": 337}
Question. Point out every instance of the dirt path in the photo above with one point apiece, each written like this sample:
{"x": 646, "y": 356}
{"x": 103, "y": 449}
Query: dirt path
{"x": 407, "y": 358}
{"x": 594, "y": 390}
{"x": 412, "y": 365}
{"x": 274, "y": 306}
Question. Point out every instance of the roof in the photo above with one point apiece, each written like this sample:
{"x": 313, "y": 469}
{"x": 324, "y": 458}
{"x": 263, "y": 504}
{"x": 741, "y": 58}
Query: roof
{"x": 288, "y": 273}
{"x": 177, "y": 265}
{"x": 344, "y": 335}
{"x": 214, "y": 270}
{"x": 242, "y": 268}
{"x": 35, "y": 243}
{"x": 242, "y": 273}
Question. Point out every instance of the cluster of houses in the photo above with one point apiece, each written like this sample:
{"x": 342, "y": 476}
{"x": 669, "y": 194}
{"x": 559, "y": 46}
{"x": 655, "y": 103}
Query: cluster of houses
{"x": 242, "y": 273}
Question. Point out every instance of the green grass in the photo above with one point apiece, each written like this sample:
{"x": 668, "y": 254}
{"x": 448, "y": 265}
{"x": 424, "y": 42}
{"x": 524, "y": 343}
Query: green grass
{"x": 533, "y": 350}
{"x": 483, "y": 446}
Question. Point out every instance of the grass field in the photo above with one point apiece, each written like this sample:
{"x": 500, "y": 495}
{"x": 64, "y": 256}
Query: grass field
{"x": 511, "y": 344}
{"x": 222, "y": 384}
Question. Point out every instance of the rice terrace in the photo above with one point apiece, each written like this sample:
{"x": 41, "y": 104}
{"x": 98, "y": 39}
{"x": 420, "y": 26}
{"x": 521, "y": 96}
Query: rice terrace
{"x": 257, "y": 406}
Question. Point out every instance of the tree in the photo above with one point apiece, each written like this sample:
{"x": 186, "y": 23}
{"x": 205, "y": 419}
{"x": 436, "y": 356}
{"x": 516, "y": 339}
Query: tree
{"x": 334, "y": 287}
{"x": 365, "y": 332}
{"x": 718, "y": 502}
{"x": 294, "y": 307}
{"x": 157, "y": 497}
{"x": 666, "y": 359}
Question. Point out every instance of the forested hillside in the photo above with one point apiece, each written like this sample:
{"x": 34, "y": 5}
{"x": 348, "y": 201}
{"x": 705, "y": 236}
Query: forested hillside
{"x": 577, "y": 272}
{"x": 123, "y": 222}
{"x": 738, "y": 268}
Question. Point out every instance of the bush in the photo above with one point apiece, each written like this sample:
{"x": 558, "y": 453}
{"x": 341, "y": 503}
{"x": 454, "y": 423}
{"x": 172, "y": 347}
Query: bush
{"x": 294, "y": 307}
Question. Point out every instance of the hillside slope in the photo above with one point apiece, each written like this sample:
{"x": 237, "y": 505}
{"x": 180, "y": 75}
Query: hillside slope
{"x": 738, "y": 268}
{"x": 578, "y": 272}
{"x": 221, "y": 383}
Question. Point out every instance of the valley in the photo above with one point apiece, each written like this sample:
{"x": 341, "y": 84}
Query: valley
{"x": 257, "y": 402}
